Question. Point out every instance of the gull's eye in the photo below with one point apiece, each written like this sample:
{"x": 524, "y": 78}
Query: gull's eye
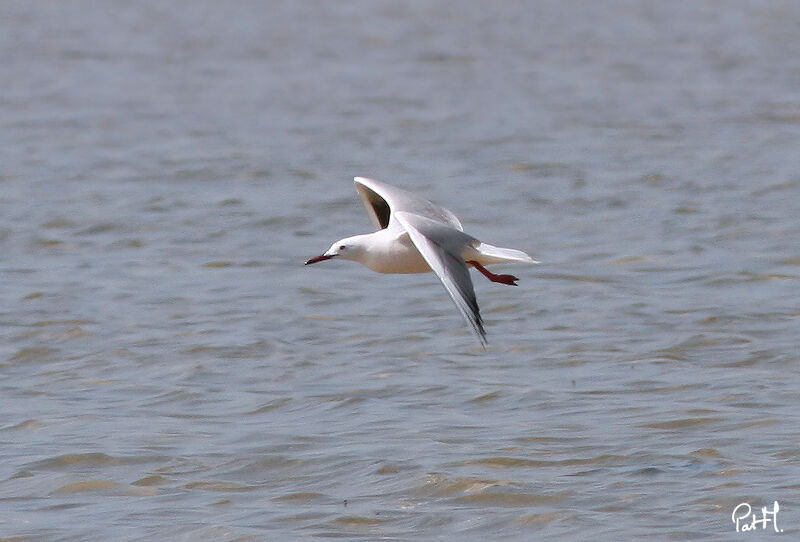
{"x": 342, "y": 247}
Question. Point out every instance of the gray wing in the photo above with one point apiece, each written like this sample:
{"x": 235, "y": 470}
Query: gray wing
{"x": 441, "y": 246}
{"x": 382, "y": 200}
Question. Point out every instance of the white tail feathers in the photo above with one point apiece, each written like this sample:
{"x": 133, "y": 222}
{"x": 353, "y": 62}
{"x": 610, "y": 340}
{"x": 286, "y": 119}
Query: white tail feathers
{"x": 489, "y": 254}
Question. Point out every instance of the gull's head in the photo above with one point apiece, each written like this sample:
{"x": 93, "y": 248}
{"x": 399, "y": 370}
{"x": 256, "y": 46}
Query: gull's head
{"x": 349, "y": 248}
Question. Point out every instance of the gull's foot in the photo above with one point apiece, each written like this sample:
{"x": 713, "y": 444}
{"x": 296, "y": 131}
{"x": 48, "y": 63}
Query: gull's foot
{"x": 511, "y": 280}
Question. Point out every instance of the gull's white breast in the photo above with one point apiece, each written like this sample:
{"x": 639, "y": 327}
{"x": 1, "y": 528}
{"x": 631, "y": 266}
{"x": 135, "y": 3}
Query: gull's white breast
{"x": 394, "y": 253}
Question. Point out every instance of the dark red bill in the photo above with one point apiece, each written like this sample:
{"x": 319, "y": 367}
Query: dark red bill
{"x": 320, "y": 258}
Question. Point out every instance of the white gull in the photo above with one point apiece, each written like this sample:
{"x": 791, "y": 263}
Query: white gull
{"x": 417, "y": 236}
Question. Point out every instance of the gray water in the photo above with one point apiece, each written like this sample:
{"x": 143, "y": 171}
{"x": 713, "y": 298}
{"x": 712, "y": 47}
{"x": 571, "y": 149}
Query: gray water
{"x": 169, "y": 370}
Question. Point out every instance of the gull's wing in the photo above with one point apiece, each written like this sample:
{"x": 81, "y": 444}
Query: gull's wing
{"x": 441, "y": 246}
{"x": 383, "y": 200}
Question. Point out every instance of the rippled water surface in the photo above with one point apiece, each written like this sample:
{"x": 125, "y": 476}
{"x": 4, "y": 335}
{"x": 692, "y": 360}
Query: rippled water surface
{"x": 169, "y": 370}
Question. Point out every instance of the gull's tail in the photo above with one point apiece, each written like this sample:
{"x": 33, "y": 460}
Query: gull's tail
{"x": 489, "y": 254}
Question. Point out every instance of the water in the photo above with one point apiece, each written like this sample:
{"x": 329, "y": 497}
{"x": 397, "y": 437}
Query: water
{"x": 171, "y": 371}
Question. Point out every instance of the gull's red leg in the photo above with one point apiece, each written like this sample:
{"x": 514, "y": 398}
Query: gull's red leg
{"x": 511, "y": 280}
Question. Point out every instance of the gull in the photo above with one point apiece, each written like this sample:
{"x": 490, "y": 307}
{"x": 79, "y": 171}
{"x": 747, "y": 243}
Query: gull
{"x": 417, "y": 236}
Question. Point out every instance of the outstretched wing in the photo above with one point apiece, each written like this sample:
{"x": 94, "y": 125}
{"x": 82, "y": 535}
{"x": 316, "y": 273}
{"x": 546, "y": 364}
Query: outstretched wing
{"x": 382, "y": 200}
{"x": 441, "y": 246}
